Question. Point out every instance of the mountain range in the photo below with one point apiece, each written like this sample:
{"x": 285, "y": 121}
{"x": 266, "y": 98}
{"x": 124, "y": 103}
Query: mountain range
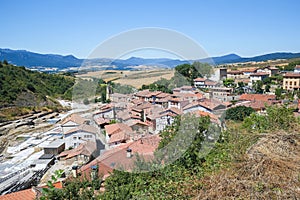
{"x": 33, "y": 60}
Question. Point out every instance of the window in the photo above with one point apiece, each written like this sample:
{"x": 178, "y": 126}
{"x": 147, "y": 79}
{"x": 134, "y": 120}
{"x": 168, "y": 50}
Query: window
{"x": 74, "y": 138}
{"x": 295, "y": 83}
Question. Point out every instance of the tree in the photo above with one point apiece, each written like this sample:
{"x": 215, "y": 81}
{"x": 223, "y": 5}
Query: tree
{"x": 86, "y": 101}
{"x": 267, "y": 88}
{"x": 257, "y": 86}
{"x": 203, "y": 68}
{"x": 229, "y": 82}
{"x": 188, "y": 71}
{"x": 238, "y": 113}
{"x": 278, "y": 93}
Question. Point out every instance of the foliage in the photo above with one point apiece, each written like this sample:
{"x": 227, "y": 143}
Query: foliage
{"x": 17, "y": 81}
{"x": 278, "y": 92}
{"x": 229, "y": 82}
{"x": 203, "y": 68}
{"x": 238, "y": 113}
{"x": 257, "y": 86}
{"x": 291, "y": 65}
{"x": 275, "y": 118}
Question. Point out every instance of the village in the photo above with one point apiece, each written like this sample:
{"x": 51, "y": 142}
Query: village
{"x": 94, "y": 142}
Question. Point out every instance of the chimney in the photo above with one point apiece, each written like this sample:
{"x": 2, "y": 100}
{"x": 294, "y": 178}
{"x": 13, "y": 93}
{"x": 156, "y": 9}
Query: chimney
{"x": 94, "y": 172}
{"x": 74, "y": 171}
{"x": 128, "y": 153}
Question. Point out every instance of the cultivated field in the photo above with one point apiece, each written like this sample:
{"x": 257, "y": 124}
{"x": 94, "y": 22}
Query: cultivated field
{"x": 133, "y": 78}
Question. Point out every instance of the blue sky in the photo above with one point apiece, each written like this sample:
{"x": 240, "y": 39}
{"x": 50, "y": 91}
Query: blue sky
{"x": 76, "y": 27}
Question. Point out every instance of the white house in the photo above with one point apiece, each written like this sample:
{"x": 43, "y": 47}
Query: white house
{"x": 106, "y": 112}
{"x": 80, "y": 134}
{"x": 259, "y": 76}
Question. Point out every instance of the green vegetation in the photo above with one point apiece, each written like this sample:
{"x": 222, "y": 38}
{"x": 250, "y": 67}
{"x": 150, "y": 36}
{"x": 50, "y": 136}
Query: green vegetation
{"x": 238, "y": 113}
{"x": 276, "y": 118}
{"x": 34, "y": 87}
{"x": 184, "y": 75}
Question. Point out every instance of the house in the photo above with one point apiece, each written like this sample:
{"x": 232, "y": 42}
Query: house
{"x": 139, "y": 126}
{"x": 212, "y": 105}
{"x": 101, "y": 122}
{"x": 291, "y": 81}
{"x": 235, "y": 74}
{"x": 269, "y": 70}
{"x": 223, "y": 94}
{"x": 159, "y": 120}
{"x": 259, "y": 76}
{"x": 117, "y": 97}
{"x": 249, "y": 71}
{"x": 177, "y": 103}
{"x": 297, "y": 69}
{"x": 55, "y": 147}
{"x": 28, "y": 194}
{"x": 257, "y": 97}
{"x": 72, "y": 121}
{"x": 84, "y": 153}
{"x": 106, "y": 111}
{"x": 122, "y": 157}
{"x": 147, "y": 95}
{"x": 204, "y": 83}
{"x": 118, "y": 133}
{"x": 78, "y": 135}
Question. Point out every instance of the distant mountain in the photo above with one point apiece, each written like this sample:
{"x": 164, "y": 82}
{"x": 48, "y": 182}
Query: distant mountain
{"x": 33, "y": 60}
{"x": 30, "y": 59}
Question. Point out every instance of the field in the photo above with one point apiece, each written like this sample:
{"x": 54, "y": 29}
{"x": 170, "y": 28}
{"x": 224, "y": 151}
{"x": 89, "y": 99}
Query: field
{"x": 133, "y": 78}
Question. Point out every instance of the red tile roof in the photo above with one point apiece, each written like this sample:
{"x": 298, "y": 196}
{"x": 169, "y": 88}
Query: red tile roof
{"x": 259, "y": 74}
{"x": 83, "y": 127}
{"x": 115, "y": 128}
{"x": 28, "y": 194}
{"x": 100, "y": 121}
{"x": 116, "y": 157}
{"x": 291, "y": 75}
{"x": 257, "y": 97}
{"x": 87, "y": 148}
{"x": 200, "y": 79}
{"x": 234, "y": 72}
{"x": 74, "y": 118}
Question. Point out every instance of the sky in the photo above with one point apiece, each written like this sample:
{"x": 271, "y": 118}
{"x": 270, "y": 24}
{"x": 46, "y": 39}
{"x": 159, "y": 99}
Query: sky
{"x": 220, "y": 27}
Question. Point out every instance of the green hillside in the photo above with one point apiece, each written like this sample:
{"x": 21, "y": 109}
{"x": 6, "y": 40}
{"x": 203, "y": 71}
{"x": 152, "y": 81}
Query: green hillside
{"x": 18, "y": 84}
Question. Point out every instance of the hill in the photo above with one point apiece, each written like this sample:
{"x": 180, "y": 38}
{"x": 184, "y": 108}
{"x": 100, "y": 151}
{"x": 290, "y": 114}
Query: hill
{"x": 21, "y": 87}
{"x": 35, "y": 60}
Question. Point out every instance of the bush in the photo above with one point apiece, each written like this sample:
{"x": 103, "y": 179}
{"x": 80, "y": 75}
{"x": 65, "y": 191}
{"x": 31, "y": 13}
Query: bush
{"x": 238, "y": 113}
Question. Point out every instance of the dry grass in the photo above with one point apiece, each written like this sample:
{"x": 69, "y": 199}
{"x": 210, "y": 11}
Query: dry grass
{"x": 270, "y": 170}
{"x": 133, "y": 78}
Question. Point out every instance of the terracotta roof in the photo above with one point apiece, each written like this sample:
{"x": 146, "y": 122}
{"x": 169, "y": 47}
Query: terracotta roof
{"x": 87, "y": 148}
{"x": 85, "y": 128}
{"x": 121, "y": 136}
{"x": 250, "y": 70}
{"x": 259, "y": 74}
{"x": 211, "y": 104}
{"x": 234, "y": 72}
{"x": 213, "y": 117}
{"x": 115, "y": 128}
{"x": 291, "y": 75}
{"x": 116, "y": 157}
{"x": 173, "y": 110}
{"x": 74, "y": 118}
{"x": 257, "y": 97}
{"x": 200, "y": 79}
{"x": 137, "y": 122}
{"x": 163, "y": 95}
{"x": 100, "y": 121}
{"x": 209, "y": 82}
{"x": 28, "y": 194}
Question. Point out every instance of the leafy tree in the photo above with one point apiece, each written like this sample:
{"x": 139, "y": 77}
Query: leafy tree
{"x": 238, "y": 113}
{"x": 257, "y": 86}
{"x": 267, "y": 88}
{"x": 188, "y": 71}
{"x": 229, "y": 82}
{"x": 278, "y": 92}
{"x": 204, "y": 69}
